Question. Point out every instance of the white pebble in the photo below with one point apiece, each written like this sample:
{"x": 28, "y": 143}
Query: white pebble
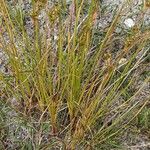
{"x": 129, "y": 22}
{"x": 122, "y": 61}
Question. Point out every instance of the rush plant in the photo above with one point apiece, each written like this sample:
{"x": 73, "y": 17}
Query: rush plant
{"x": 60, "y": 72}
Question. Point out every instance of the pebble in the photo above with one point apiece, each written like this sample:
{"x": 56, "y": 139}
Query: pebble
{"x": 129, "y": 22}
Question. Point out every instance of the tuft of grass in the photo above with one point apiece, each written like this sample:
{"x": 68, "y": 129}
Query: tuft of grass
{"x": 64, "y": 80}
{"x": 144, "y": 119}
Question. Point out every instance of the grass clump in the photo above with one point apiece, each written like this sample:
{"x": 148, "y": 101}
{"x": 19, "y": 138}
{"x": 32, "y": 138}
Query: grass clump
{"x": 73, "y": 87}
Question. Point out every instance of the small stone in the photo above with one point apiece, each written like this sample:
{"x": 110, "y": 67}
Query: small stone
{"x": 129, "y": 22}
{"x": 122, "y": 61}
